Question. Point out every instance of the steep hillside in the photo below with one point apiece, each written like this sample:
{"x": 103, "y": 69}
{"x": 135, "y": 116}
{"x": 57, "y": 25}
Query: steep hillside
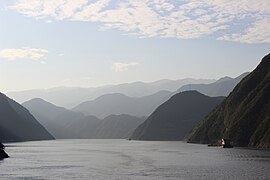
{"x": 222, "y": 87}
{"x": 244, "y": 116}
{"x": 174, "y": 119}
{"x": 17, "y": 124}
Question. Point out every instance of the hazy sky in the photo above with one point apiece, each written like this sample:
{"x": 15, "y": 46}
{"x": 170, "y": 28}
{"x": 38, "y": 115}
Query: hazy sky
{"x": 49, "y": 43}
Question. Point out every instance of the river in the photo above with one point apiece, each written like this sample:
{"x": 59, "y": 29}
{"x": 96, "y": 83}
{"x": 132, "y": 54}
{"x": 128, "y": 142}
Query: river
{"x": 122, "y": 159}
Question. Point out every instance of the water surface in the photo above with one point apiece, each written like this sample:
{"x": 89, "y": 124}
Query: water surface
{"x": 122, "y": 159}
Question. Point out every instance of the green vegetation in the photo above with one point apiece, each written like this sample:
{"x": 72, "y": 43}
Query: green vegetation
{"x": 244, "y": 116}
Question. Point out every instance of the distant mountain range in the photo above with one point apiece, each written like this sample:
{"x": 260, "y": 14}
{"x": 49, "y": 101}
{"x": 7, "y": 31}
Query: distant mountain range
{"x": 121, "y": 104}
{"x": 174, "y": 119}
{"x": 221, "y": 87}
{"x": 70, "y": 97}
{"x": 91, "y": 118}
{"x": 63, "y": 123}
{"x": 117, "y": 127}
{"x": 244, "y": 116}
{"x": 17, "y": 124}
{"x": 55, "y": 119}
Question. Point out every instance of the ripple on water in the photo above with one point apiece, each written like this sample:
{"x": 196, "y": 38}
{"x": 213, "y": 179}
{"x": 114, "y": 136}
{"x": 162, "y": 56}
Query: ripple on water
{"x": 120, "y": 159}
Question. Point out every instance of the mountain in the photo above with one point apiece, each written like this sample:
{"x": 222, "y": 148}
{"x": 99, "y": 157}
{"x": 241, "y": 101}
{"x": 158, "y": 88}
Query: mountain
{"x": 17, "y": 124}
{"x": 222, "y": 87}
{"x": 117, "y": 126}
{"x": 143, "y": 106}
{"x": 173, "y": 85}
{"x": 66, "y": 124}
{"x": 121, "y": 104}
{"x": 60, "y": 122}
{"x": 174, "y": 119}
{"x": 62, "y": 96}
{"x": 69, "y": 97}
{"x": 244, "y": 116}
{"x": 111, "y": 127}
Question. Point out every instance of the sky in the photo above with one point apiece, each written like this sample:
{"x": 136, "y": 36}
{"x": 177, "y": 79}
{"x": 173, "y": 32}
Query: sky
{"x": 89, "y": 43}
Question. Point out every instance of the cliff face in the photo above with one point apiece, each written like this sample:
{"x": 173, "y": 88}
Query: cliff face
{"x": 174, "y": 119}
{"x": 244, "y": 116}
{"x": 17, "y": 124}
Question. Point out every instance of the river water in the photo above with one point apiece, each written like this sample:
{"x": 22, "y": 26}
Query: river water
{"x": 122, "y": 159}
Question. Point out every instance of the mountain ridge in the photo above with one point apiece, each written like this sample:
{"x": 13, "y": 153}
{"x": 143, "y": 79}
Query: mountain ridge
{"x": 244, "y": 115}
{"x": 17, "y": 124}
{"x": 222, "y": 87}
{"x": 66, "y": 124}
{"x": 78, "y": 95}
{"x": 118, "y": 103}
{"x": 175, "y": 118}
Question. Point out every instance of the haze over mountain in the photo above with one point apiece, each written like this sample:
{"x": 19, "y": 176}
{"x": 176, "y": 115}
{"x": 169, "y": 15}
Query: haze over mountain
{"x": 117, "y": 126}
{"x": 144, "y": 106}
{"x": 221, "y": 87}
{"x": 244, "y": 115}
{"x": 64, "y": 124}
{"x": 69, "y": 97}
{"x": 175, "y": 118}
{"x": 55, "y": 119}
{"x": 121, "y": 104}
{"x": 17, "y": 124}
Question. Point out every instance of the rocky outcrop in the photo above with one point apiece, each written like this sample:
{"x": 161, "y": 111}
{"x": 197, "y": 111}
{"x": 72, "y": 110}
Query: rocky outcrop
{"x": 3, "y": 154}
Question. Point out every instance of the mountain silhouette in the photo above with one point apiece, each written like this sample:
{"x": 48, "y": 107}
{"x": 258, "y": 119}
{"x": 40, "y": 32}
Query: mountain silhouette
{"x": 17, "y": 124}
{"x": 175, "y": 118}
{"x": 66, "y": 124}
{"x": 117, "y": 126}
{"x": 244, "y": 116}
{"x": 70, "y": 97}
{"x": 58, "y": 120}
{"x": 118, "y": 104}
{"x": 221, "y": 87}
